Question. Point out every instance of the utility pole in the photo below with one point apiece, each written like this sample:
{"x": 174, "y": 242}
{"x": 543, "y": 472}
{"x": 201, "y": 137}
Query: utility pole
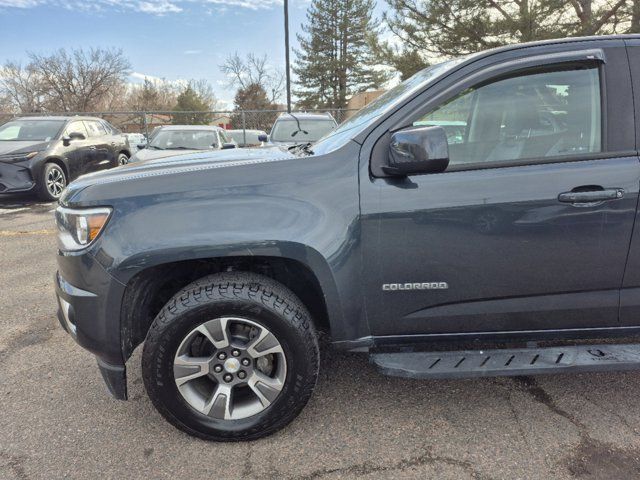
{"x": 286, "y": 46}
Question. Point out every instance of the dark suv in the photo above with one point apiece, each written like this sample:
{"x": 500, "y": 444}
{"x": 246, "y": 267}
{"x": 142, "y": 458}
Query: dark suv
{"x": 43, "y": 154}
{"x": 439, "y": 252}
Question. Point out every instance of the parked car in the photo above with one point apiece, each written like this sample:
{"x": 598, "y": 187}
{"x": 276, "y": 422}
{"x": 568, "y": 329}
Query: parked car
{"x": 229, "y": 264}
{"x": 42, "y": 154}
{"x": 249, "y": 138}
{"x": 183, "y": 139}
{"x": 299, "y": 128}
{"x": 136, "y": 141}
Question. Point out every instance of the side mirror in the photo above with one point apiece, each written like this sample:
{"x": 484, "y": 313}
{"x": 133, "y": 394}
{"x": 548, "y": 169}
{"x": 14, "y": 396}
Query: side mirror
{"x": 141, "y": 146}
{"x": 417, "y": 150}
{"x": 227, "y": 146}
{"x": 76, "y": 136}
{"x": 263, "y": 138}
{"x": 66, "y": 139}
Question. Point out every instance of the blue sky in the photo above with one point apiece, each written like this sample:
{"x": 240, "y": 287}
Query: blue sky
{"x": 172, "y": 39}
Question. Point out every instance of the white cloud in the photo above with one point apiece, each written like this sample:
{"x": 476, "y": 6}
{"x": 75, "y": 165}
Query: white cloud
{"x": 158, "y": 8}
{"x": 151, "y": 7}
{"x": 19, "y": 3}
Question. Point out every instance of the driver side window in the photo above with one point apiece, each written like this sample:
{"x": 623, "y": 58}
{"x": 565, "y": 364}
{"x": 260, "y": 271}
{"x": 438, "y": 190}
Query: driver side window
{"x": 548, "y": 114}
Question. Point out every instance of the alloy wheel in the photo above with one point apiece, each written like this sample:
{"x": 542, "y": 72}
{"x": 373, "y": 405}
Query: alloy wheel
{"x": 55, "y": 181}
{"x": 230, "y": 368}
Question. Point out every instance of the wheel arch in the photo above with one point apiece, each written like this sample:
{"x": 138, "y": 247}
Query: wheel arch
{"x": 149, "y": 289}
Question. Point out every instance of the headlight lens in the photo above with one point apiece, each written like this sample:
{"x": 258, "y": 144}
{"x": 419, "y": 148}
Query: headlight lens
{"x": 77, "y": 228}
{"x": 17, "y": 157}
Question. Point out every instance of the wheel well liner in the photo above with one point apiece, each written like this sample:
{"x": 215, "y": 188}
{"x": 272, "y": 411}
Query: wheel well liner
{"x": 148, "y": 291}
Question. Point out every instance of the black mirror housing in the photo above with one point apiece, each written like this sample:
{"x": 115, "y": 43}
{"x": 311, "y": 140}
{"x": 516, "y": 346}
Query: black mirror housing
{"x": 417, "y": 150}
{"x": 141, "y": 146}
{"x": 263, "y": 138}
{"x": 76, "y": 136}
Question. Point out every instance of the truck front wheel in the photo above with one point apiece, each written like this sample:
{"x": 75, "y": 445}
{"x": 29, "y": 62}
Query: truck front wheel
{"x": 232, "y": 356}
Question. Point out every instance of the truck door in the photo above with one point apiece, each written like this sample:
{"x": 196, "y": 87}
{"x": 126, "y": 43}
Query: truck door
{"x": 630, "y": 293}
{"x": 529, "y": 226}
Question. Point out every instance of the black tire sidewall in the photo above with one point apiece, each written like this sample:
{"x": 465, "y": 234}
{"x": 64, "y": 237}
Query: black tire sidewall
{"x": 158, "y": 371}
{"x": 126, "y": 159}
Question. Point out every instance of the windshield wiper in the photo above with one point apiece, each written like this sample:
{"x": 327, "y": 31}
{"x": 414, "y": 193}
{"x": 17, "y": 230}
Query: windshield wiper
{"x": 299, "y": 127}
{"x": 301, "y": 148}
{"x": 155, "y": 148}
{"x": 184, "y": 148}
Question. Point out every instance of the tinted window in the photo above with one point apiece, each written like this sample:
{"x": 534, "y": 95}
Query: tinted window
{"x": 546, "y": 114}
{"x": 111, "y": 130}
{"x": 96, "y": 129}
{"x": 31, "y": 130}
{"x": 76, "y": 127}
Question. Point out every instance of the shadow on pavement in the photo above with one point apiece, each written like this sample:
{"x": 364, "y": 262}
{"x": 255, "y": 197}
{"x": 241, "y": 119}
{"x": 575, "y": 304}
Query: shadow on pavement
{"x": 12, "y": 202}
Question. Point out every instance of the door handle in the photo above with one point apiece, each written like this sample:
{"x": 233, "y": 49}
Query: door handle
{"x": 92, "y": 147}
{"x": 578, "y": 195}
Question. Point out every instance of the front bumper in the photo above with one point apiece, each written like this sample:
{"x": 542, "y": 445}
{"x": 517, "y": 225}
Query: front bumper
{"x": 91, "y": 314}
{"x": 15, "y": 177}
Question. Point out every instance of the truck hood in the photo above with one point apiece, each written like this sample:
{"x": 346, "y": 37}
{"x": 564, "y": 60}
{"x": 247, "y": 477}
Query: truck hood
{"x": 150, "y": 154}
{"x": 194, "y": 164}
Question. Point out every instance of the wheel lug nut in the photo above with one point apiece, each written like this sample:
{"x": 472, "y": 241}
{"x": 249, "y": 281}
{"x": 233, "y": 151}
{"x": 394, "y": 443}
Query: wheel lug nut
{"x": 222, "y": 355}
{"x": 228, "y": 377}
{"x": 245, "y": 362}
{"x": 235, "y": 353}
{"x": 241, "y": 374}
{"x": 217, "y": 368}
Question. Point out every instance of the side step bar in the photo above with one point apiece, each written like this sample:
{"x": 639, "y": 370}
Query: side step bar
{"x": 508, "y": 362}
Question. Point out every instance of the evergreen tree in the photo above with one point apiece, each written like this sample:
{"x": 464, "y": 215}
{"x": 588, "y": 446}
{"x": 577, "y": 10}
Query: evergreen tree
{"x": 190, "y": 100}
{"x": 405, "y": 61}
{"x": 335, "y": 59}
{"x": 445, "y": 28}
{"x": 254, "y": 98}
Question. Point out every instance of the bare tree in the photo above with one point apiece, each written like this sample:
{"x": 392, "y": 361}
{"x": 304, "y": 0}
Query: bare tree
{"x": 205, "y": 92}
{"x": 65, "y": 81}
{"x": 254, "y": 70}
{"x": 21, "y": 88}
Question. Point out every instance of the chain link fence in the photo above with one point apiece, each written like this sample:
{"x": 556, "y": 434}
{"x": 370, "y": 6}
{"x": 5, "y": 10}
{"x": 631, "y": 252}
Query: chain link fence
{"x": 146, "y": 122}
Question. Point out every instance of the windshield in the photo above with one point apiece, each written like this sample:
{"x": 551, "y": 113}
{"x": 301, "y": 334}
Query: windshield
{"x": 184, "y": 140}
{"x": 309, "y": 130}
{"x": 394, "y": 97}
{"x": 31, "y": 130}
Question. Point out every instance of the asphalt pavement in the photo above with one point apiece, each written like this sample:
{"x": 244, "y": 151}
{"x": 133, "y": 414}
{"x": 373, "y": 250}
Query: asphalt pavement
{"x": 57, "y": 421}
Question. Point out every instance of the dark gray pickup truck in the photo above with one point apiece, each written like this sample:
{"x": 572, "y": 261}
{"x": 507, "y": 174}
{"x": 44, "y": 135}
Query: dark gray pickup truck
{"x": 479, "y": 219}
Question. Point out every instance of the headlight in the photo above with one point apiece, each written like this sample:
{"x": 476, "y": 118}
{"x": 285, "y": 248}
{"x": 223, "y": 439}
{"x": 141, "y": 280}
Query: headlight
{"x": 77, "y": 228}
{"x": 17, "y": 157}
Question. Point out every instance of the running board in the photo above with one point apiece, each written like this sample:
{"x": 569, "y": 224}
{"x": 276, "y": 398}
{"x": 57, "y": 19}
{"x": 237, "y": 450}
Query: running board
{"x": 508, "y": 362}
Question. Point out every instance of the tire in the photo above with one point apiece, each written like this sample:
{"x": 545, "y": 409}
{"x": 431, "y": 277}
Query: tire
{"x": 52, "y": 183}
{"x": 231, "y": 302}
{"x": 123, "y": 159}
